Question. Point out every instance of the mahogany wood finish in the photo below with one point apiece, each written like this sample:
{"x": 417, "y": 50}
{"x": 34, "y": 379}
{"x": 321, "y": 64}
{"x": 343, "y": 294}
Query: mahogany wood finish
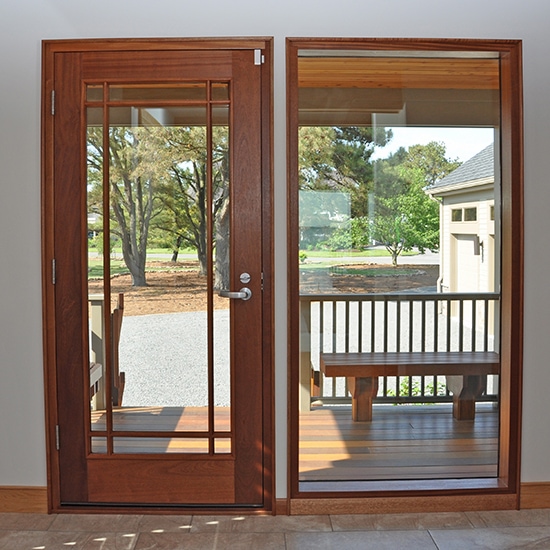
{"x": 26, "y": 500}
{"x": 399, "y": 73}
{"x": 176, "y": 481}
{"x": 535, "y": 495}
{"x": 70, "y": 342}
{"x": 504, "y": 492}
{"x": 484, "y": 498}
{"x": 243, "y": 477}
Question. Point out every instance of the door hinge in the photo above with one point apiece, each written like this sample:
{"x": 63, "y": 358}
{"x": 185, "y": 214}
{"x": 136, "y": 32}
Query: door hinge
{"x": 262, "y": 281}
{"x": 53, "y": 271}
{"x": 259, "y": 58}
{"x": 53, "y": 102}
{"x": 57, "y": 437}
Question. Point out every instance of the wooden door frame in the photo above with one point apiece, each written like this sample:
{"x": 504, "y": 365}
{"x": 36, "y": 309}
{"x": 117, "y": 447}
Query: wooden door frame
{"x": 504, "y": 494}
{"x": 49, "y": 49}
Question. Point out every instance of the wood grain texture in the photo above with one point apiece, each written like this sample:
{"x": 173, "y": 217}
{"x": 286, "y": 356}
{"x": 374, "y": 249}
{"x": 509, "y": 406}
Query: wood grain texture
{"x": 509, "y": 54}
{"x": 401, "y": 443}
{"x": 67, "y": 64}
{"x": 398, "y": 73}
{"x": 535, "y": 495}
{"x": 124, "y": 481}
{"x": 27, "y": 500}
{"x": 409, "y": 363}
{"x": 402, "y": 504}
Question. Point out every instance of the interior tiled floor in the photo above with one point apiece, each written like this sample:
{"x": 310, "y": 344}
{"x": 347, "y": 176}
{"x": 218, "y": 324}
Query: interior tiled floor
{"x": 444, "y": 531}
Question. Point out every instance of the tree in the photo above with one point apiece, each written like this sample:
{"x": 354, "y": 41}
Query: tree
{"x": 135, "y": 172}
{"x": 337, "y": 161}
{"x": 405, "y": 216}
{"x": 355, "y": 234}
{"x": 407, "y": 219}
{"x": 184, "y": 195}
{"x": 431, "y": 160}
{"x": 339, "y": 158}
{"x": 159, "y": 183}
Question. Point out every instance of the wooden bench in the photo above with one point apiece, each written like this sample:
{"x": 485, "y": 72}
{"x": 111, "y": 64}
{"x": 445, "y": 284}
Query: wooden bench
{"x": 363, "y": 369}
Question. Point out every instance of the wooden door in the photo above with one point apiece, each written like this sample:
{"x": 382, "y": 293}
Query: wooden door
{"x": 155, "y": 363}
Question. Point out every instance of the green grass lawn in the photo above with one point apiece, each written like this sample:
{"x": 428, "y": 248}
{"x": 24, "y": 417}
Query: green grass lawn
{"x": 117, "y": 251}
{"x": 389, "y": 271}
{"x": 118, "y": 267}
{"x": 369, "y": 253}
{"x": 95, "y": 268}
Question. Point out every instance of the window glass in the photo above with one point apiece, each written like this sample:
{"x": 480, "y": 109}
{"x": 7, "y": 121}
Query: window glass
{"x": 470, "y": 214}
{"x": 391, "y": 146}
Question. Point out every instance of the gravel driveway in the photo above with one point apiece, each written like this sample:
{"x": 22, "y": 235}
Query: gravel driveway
{"x": 164, "y": 358}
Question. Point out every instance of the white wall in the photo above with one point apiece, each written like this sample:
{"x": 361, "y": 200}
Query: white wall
{"x": 24, "y": 23}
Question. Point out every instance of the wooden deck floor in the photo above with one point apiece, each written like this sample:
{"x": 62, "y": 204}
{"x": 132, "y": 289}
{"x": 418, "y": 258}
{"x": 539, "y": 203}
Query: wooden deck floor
{"x": 401, "y": 443}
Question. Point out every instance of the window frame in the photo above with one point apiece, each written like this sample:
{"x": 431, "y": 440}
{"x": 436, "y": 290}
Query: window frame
{"x": 504, "y": 491}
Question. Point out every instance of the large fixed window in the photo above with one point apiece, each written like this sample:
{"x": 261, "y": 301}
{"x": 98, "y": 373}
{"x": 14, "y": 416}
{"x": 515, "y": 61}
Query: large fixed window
{"x": 405, "y": 326}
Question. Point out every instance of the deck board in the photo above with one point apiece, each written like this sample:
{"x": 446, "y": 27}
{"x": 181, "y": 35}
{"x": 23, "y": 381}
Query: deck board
{"x": 400, "y": 443}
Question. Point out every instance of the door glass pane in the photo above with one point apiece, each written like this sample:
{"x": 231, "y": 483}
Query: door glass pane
{"x": 159, "y": 445}
{"x": 94, "y": 92}
{"x": 220, "y": 91}
{"x": 96, "y": 291}
{"x": 221, "y": 213}
{"x": 164, "y": 173}
{"x": 171, "y": 92}
{"x": 391, "y": 148}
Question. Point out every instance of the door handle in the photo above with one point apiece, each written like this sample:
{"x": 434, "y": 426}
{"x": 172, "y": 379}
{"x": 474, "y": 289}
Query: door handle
{"x": 243, "y": 294}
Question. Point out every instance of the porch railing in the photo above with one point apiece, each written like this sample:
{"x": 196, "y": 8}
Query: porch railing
{"x": 393, "y": 322}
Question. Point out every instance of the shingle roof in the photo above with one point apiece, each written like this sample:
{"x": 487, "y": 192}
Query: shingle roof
{"x": 478, "y": 167}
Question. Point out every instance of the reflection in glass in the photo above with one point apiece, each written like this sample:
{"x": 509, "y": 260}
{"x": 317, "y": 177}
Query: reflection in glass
{"x": 158, "y": 92}
{"x": 220, "y": 91}
{"x": 94, "y": 93}
{"x": 397, "y": 178}
{"x": 159, "y": 445}
{"x": 99, "y": 445}
{"x": 222, "y": 445}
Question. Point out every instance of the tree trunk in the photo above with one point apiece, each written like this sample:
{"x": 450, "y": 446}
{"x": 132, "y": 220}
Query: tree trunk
{"x": 136, "y": 264}
{"x": 139, "y": 279}
{"x": 221, "y": 275}
{"x": 176, "y": 249}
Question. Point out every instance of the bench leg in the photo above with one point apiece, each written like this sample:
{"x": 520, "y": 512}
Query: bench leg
{"x": 362, "y": 390}
{"x": 464, "y": 405}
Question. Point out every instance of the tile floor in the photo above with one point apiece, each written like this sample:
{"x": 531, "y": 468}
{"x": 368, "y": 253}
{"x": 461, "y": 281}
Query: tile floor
{"x": 444, "y": 531}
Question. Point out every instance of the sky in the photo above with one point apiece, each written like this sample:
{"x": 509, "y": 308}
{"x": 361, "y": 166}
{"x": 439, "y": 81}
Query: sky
{"x": 461, "y": 143}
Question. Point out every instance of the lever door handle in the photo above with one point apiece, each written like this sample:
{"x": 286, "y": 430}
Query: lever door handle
{"x": 243, "y": 294}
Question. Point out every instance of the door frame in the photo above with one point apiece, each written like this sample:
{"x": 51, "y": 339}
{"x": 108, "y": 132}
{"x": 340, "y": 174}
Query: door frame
{"x": 49, "y": 50}
{"x": 505, "y": 491}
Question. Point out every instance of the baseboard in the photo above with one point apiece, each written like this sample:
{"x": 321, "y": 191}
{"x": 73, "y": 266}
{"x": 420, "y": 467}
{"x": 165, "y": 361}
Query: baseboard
{"x": 281, "y": 507}
{"x": 535, "y": 495}
{"x": 35, "y": 500}
{"x": 24, "y": 499}
{"x": 401, "y": 505}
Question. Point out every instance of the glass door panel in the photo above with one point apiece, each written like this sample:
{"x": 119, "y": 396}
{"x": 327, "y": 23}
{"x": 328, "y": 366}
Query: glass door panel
{"x": 158, "y": 162}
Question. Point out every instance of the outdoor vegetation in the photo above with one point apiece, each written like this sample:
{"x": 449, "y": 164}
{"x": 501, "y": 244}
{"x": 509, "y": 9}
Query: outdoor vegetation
{"x": 158, "y": 194}
{"x": 359, "y": 202}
